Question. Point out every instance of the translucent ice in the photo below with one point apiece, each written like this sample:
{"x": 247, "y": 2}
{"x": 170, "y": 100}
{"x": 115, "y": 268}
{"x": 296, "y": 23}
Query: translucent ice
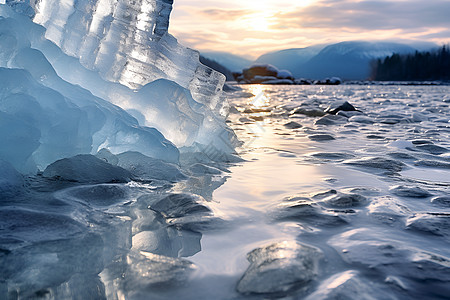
{"x": 146, "y": 168}
{"x": 10, "y": 180}
{"x": 127, "y": 42}
{"x": 187, "y": 95}
{"x": 40, "y": 125}
{"x": 53, "y": 117}
{"x": 279, "y": 268}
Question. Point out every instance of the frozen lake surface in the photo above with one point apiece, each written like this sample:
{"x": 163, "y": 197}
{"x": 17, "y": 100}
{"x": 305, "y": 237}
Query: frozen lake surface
{"x": 351, "y": 205}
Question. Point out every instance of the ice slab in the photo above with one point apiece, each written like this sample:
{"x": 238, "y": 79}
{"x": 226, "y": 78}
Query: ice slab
{"x": 279, "y": 268}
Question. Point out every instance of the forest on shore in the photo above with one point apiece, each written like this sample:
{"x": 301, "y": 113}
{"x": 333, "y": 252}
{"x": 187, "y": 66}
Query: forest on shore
{"x": 420, "y": 66}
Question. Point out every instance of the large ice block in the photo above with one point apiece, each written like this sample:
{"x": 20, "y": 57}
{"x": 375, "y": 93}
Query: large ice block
{"x": 128, "y": 42}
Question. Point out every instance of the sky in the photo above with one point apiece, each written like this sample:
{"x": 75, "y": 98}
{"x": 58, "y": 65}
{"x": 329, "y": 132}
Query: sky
{"x": 254, "y": 27}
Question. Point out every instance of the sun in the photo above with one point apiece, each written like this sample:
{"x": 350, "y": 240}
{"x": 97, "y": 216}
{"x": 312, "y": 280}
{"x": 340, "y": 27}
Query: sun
{"x": 258, "y": 22}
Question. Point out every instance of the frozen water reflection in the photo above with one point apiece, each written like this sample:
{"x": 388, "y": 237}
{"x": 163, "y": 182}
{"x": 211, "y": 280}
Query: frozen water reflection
{"x": 372, "y": 201}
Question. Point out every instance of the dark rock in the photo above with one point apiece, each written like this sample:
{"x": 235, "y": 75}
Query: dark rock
{"x": 329, "y": 81}
{"x": 260, "y": 70}
{"x": 334, "y": 108}
{"x": 421, "y": 142}
{"x": 293, "y": 125}
{"x": 321, "y": 137}
{"x": 303, "y": 81}
{"x": 237, "y": 76}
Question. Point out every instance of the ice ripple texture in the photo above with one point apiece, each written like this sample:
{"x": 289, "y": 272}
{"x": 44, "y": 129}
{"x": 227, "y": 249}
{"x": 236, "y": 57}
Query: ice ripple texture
{"x": 358, "y": 171}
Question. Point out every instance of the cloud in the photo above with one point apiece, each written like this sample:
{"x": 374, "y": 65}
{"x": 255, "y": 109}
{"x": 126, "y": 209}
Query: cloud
{"x": 224, "y": 14}
{"x": 238, "y": 28}
{"x": 369, "y": 15}
{"x": 444, "y": 33}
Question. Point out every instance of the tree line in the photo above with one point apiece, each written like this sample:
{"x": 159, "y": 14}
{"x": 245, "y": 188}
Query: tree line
{"x": 420, "y": 66}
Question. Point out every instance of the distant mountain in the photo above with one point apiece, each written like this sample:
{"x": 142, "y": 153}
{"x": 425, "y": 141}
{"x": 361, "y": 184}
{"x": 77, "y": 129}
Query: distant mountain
{"x": 232, "y": 62}
{"x": 290, "y": 59}
{"x": 349, "y": 60}
{"x": 419, "y": 45}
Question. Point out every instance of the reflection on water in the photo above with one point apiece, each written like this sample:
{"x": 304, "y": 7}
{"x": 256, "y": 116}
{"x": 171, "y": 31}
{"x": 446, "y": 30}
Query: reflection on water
{"x": 367, "y": 189}
{"x": 293, "y": 187}
{"x": 260, "y": 98}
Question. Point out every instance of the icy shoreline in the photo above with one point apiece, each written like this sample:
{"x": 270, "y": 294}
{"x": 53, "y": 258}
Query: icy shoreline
{"x": 348, "y": 205}
{"x": 112, "y": 188}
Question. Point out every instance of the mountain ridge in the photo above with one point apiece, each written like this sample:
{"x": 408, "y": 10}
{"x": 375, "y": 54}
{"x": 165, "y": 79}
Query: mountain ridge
{"x": 349, "y": 60}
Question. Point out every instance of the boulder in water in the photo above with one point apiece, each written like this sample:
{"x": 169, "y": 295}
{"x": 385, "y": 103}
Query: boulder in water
{"x": 293, "y": 125}
{"x": 260, "y": 70}
{"x": 338, "y": 106}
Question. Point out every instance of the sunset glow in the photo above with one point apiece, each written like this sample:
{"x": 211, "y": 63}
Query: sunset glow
{"x": 251, "y": 28}
{"x": 258, "y": 22}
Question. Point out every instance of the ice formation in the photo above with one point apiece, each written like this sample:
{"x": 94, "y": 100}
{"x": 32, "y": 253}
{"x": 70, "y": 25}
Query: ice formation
{"x": 102, "y": 74}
